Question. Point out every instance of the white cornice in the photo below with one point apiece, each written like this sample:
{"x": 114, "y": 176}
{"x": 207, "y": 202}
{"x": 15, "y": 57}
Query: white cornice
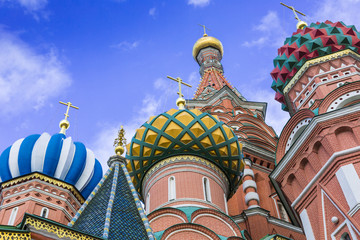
{"x": 264, "y": 213}
{"x": 39, "y": 201}
{"x": 41, "y": 182}
{"x": 306, "y": 133}
{"x": 261, "y": 106}
{"x": 322, "y": 171}
{"x": 259, "y": 151}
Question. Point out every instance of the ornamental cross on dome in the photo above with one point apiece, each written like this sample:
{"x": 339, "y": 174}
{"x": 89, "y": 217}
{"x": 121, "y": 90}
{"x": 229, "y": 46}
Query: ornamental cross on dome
{"x": 179, "y": 80}
{"x": 204, "y": 29}
{"x": 64, "y": 124}
{"x": 300, "y": 24}
{"x": 69, "y": 105}
{"x": 180, "y": 102}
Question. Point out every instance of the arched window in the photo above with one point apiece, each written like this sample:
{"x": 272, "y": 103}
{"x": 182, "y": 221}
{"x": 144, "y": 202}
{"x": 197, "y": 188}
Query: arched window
{"x": 13, "y": 216}
{"x": 206, "y": 185}
{"x": 172, "y": 188}
{"x": 44, "y": 212}
{"x": 148, "y": 203}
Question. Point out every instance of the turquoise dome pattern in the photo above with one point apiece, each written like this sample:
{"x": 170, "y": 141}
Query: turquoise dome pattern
{"x": 56, "y": 156}
{"x": 182, "y": 132}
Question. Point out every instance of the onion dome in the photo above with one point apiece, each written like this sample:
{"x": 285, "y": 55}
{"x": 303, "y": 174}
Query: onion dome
{"x": 316, "y": 40}
{"x": 56, "y": 156}
{"x": 207, "y": 41}
{"x": 179, "y": 132}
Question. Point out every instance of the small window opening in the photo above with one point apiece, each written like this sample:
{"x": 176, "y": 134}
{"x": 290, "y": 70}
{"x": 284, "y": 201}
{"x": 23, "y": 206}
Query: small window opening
{"x": 44, "y": 212}
{"x": 13, "y": 216}
{"x": 172, "y": 188}
{"x": 206, "y": 186}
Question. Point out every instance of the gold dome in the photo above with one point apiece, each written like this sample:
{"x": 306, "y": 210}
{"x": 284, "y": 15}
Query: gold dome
{"x": 207, "y": 41}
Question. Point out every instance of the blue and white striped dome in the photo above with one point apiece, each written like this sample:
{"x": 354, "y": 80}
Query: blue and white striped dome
{"x": 56, "y": 156}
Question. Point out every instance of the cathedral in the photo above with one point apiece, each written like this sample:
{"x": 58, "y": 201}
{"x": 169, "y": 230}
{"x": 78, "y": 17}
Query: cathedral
{"x": 209, "y": 168}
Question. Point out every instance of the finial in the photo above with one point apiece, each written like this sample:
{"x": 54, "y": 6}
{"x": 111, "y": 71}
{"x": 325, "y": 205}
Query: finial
{"x": 300, "y": 24}
{"x": 205, "y": 35}
{"x": 180, "y": 102}
{"x": 120, "y": 142}
{"x": 64, "y": 124}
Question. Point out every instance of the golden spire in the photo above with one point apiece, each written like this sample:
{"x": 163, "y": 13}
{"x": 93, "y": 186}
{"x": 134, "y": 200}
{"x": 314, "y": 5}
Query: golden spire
{"x": 120, "y": 142}
{"x": 180, "y": 102}
{"x": 64, "y": 124}
{"x": 300, "y": 24}
{"x": 205, "y": 35}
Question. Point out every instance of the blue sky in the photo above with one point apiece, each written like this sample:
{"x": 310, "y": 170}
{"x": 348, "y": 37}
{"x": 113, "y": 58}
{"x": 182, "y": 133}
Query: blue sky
{"x": 111, "y": 57}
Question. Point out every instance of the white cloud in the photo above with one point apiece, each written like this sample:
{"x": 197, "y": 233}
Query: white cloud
{"x": 126, "y": 46}
{"x": 152, "y": 12}
{"x": 269, "y": 32}
{"x": 258, "y": 42}
{"x": 28, "y": 78}
{"x": 151, "y": 105}
{"x": 199, "y": 3}
{"x": 33, "y": 7}
{"x": 275, "y": 117}
{"x": 333, "y": 10}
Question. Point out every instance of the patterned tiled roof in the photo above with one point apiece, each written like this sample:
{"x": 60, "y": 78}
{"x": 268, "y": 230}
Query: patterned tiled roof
{"x": 113, "y": 210}
{"x": 316, "y": 40}
{"x": 190, "y": 132}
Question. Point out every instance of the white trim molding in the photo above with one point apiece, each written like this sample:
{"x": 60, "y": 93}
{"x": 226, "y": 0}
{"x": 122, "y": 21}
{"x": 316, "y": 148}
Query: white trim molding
{"x": 350, "y": 184}
{"x": 251, "y": 196}
{"x": 307, "y": 225}
{"x": 249, "y": 183}
{"x": 322, "y": 171}
{"x": 248, "y": 172}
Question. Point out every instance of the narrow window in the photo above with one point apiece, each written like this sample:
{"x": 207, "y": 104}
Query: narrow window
{"x": 44, "y": 212}
{"x": 282, "y": 211}
{"x": 206, "y": 185}
{"x": 172, "y": 188}
{"x": 148, "y": 203}
{"x": 13, "y": 216}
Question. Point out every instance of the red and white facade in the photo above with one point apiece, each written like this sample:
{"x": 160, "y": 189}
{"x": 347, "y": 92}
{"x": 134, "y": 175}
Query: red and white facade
{"x": 318, "y": 151}
{"x": 39, "y": 195}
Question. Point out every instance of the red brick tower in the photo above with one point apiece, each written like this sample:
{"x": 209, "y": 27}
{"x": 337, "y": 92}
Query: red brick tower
{"x": 316, "y": 78}
{"x": 255, "y": 206}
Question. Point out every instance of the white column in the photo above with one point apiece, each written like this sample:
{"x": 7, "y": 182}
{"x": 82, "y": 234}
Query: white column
{"x": 307, "y": 225}
{"x": 350, "y": 184}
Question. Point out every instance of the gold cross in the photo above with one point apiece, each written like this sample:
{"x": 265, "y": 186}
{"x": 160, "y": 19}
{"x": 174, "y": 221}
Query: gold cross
{"x": 204, "y": 29}
{"x": 294, "y": 10}
{"x": 69, "y": 105}
{"x": 179, "y": 80}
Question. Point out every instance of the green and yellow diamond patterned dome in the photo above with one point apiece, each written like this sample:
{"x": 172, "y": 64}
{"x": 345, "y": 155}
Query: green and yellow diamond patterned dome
{"x": 179, "y": 132}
